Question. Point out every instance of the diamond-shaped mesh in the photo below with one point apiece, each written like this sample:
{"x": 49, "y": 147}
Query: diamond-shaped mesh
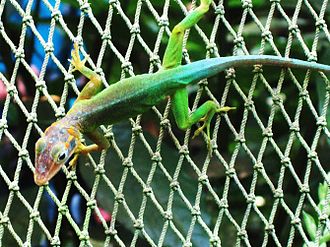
{"x": 157, "y": 188}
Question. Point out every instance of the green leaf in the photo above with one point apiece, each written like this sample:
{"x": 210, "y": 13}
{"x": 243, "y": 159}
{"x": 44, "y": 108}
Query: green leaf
{"x": 322, "y": 191}
{"x": 325, "y": 238}
{"x": 310, "y": 225}
{"x": 133, "y": 192}
{"x": 96, "y": 243}
{"x": 321, "y": 89}
{"x": 19, "y": 218}
{"x": 98, "y": 6}
{"x": 238, "y": 3}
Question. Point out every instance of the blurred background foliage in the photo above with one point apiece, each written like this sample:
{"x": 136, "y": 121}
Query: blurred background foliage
{"x": 34, "y": 55}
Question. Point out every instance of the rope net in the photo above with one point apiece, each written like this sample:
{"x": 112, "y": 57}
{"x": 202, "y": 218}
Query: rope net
{"x": 266, "y": 183}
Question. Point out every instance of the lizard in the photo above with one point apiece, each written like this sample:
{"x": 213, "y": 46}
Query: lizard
{"x": 96, "y": 106}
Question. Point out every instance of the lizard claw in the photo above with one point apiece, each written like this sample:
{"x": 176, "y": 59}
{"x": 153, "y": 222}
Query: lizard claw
{"x": 199, "y": 130}
{"x": 76, "y": 62}
{"x": 225, "y": 109}
{"x": 73, "y": 162}
{"x": 207, "y": 121}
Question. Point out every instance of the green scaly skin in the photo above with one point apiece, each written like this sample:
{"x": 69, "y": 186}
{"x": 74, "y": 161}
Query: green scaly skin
{"x": 96, "y": 106}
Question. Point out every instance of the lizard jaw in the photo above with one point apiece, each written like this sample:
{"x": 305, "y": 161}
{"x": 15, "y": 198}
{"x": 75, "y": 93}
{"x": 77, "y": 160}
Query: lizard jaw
{"x": 41, "y": 177}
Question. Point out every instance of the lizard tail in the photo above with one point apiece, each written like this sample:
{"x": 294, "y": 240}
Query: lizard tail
{"x": 206, "y": 68}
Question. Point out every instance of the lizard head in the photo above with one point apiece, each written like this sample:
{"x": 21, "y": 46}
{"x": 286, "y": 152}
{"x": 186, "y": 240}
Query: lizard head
{"x": 53, "y": 150}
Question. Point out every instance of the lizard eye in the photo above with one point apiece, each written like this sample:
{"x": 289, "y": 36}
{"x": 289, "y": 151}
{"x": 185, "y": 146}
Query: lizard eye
{"x": 40, "y": 145}
{"x": 62, "y": 156}
{"x": 59, "y": 153}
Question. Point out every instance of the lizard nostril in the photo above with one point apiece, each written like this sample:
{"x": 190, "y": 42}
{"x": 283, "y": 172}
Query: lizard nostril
{"x": 41, "y": 169}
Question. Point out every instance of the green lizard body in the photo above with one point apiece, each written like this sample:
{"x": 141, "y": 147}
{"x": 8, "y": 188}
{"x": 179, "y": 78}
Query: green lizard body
{"x": 135, "y": 95}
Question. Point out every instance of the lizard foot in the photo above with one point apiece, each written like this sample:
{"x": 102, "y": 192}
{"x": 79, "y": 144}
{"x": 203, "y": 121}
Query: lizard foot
{"x": 225, "y": 109}
{"x": 206, "y": 125}
{"x": 76, "y": 62}
{"x": 73, "y": 162}
{"x": 207, "y": 121}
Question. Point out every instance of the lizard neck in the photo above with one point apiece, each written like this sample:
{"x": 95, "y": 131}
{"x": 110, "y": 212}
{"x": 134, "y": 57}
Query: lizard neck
{"x": 69, "y": 122}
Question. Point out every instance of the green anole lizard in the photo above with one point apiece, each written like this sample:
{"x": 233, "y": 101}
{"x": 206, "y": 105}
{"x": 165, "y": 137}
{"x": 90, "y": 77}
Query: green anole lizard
{"x": 127, "y": 98}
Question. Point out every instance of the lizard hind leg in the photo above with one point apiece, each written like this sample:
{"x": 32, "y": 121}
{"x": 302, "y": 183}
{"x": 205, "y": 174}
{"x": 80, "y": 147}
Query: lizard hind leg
{"x": 172, "y": 58}
{"x": 173, "y": 53}
{"x": 203, "y": 113}
{"x": 208, "y": 117}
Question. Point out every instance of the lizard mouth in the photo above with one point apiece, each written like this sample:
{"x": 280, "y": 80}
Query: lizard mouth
{"x": 44, "y": 173}
{"x": 40, "y": 179}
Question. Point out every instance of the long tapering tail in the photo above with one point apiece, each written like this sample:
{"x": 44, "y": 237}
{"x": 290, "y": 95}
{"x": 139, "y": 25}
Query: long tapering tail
{"x": 209, "y": 67}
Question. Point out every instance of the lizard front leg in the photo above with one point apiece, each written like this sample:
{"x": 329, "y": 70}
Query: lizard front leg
{"x": 100, "y": 143}
{"x": 95, "y": 85}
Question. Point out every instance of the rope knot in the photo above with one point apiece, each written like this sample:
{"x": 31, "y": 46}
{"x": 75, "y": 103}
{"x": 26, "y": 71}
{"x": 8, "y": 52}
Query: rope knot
{"x": 34, "y": 214}
{"x": 230, "y": 172}
{"x": 163, "y": 21}
{"x": 147, "y": 191}
{"x": 19, "y": 54}
{"x": 23, "y": 153}
{"x": 223, "y": 203}
{"x": 72, "y": 176}
{"x": 247, "y": 4}
{"x": 195, "y": 211}
{"x": 85, "y": 7}
{"x": 27, "y": 19}
{"x": 304, "y": 188}
{"x": 13, "y": 186}
{"x": 3, "y": 124}
{"x": 111, "y": 232}
{"x": 91, "y": 204}
{"x": 12, "y": 90}
{"x": 49, "y": 48}
{"x": 286, "y": 161}
{"x": 135, "y": 29}
{"x": 106, "y": 35}
{"x": 321, "y": 121}
{"x": 56, "y": 15}
{"x": 119, "y": 198}
{"x": 55, "y": 241}
{"x": 203, "y": 179}
{"x": 174, "y": 185}
{"x": 220, "y": 10}
{"x": 138, "y": 224}
{"x": 127, "y": 162}
{"x": 32, "y": 118}
{"x": 215, "y": 240}
{"x": 99, "y": 170}
{"x": 154, "y": 59}
{"x": 267, "y": 35}
{"x": 293, "y": 28}
{"x": 212, "y": 48}
{"x": 184, "y": 150}
{"x": 250, "y": 199}
{"x": 127, "y": 66}
{"x": 168, "y": 215}
{"x": 320, "y": 23}
{"x": 239, "y": 42}
{"x": 278, "y": 193}
{"x": 84, "y": 236}
{"x": 258, "y": 166}
{"x": 60, "y": 112}
{"x": 156, "y": 157}
{"x": 63, "y": 209}
{"x": 242, "y": 234}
